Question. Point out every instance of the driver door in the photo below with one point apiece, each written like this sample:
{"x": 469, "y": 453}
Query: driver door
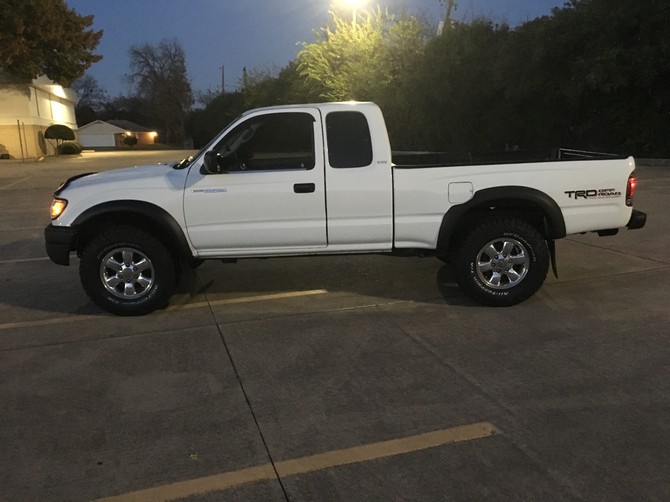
{"x": 263, "y": 188}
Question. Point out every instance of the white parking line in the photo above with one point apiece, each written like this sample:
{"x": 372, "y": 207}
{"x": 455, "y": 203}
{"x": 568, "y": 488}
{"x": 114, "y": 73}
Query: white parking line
{"x": 311, "y": 463}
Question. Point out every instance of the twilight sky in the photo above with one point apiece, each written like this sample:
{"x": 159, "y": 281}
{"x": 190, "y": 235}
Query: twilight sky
{"x": 251, "y": 33}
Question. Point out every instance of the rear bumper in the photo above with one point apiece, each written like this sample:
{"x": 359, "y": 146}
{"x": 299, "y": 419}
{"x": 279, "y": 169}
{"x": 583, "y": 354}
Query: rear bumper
{"x": 59, "y": 241}
{"x": 637, "y": 220}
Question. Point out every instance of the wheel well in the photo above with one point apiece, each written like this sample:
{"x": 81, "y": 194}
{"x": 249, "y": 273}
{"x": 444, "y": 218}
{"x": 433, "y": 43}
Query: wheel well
{"x": 154, "y": 221}
{"x": 460, "y": 220}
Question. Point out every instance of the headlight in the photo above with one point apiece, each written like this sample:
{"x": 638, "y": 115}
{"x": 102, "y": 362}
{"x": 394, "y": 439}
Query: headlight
{"x": 57, "y": 208}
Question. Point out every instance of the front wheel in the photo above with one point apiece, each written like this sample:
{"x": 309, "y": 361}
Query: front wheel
{"x": 502, "y": 262}
{"x": 127, "y": 271}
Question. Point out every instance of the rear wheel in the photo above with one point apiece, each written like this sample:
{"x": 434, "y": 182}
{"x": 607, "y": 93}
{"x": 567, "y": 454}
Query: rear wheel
{"x": 502, "y": 262}
{"x": 127, "y": 271}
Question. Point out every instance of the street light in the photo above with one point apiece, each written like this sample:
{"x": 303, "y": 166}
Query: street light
{"x": 354, "y": 5}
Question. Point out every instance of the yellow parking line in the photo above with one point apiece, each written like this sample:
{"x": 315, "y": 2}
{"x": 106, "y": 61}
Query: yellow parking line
{"x": 25, "y": 260}
{"x": 47, "y": 322}
{"x": 303, "y": 465}
{"x": 16, "y": 182}
{"x": 248, "y": 299}
{"x": 229, "y": 301}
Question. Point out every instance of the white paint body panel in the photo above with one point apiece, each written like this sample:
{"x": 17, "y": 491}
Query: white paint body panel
{"x": 365, "y": 209}
{"x": 257, "y": 211}
{"x": 422, "y": 200}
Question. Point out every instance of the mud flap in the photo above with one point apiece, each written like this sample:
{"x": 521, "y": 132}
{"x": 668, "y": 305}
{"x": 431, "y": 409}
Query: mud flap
{"x": 551, "y": 244}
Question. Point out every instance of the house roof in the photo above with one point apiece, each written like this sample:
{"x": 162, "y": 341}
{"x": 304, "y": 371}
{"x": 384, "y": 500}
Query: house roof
{"x": 127, "y": 125}
{"x": 100, "y": 127}
{"x": 112, "y": 127}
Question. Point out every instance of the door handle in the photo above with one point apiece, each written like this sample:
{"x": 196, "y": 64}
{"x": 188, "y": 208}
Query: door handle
{"x": 304, "y": 187}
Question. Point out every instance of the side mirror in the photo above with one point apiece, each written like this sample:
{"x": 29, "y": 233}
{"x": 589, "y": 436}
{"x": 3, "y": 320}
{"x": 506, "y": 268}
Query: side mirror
{"x": 211, "y": 163}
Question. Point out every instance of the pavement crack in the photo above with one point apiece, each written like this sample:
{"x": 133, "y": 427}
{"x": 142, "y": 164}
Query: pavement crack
{"x": 248, "y": 401}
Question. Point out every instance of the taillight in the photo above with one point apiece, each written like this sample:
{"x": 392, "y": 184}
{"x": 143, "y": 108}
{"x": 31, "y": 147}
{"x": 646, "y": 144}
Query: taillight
{"x": 630, "y": 188}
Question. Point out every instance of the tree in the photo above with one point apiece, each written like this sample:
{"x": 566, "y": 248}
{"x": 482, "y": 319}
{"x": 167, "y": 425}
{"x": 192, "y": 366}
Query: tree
{"x": 203, "y": 124}
{"x": 129, "y": 108}
{"x": 344, "y": 61}
{"x": 459, "y": 92}
{"x": 59, "y": 132}
{"x": 46, "y": 37}
{"x": 91, "y": 99}
{"x": 89, "y": 93}
{"x": 372, "y": 60}
{"x": 159, "y": 77}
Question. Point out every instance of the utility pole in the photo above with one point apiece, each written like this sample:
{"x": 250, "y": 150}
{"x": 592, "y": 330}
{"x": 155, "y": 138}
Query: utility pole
{"x": 451, "y": 4}
{"x": 223, "y": 80}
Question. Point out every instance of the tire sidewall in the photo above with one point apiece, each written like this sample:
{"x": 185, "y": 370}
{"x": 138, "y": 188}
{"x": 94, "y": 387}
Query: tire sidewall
{"x": 162, "y": 262}
{"x": 466, "y": 266}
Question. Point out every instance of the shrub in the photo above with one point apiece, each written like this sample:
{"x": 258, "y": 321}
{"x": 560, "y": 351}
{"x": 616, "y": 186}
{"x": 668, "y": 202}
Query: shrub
{"x": 69, "y": 148}
{"x": 130, "y": 140}
{"x": 59, "y": 132}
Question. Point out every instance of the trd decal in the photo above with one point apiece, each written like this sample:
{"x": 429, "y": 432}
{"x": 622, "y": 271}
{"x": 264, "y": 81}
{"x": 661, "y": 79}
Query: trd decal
{"x": 602, "y": 193}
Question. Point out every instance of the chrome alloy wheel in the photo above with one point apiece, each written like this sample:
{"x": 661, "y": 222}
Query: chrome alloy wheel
{"x": 502, "y": 263}
{"x": 127, "y": 273}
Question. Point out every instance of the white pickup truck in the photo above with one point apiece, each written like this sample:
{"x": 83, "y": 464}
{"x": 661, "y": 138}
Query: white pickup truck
{"x": 321, "y": 179}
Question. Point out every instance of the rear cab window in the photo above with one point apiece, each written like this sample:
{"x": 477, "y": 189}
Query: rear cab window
{"x": 349, "y": 140}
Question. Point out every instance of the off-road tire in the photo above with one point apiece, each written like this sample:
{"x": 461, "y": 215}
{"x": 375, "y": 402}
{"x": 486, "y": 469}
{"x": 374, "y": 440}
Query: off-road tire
{"x": 502, "y": 262}
{"x": 127, "y": 271}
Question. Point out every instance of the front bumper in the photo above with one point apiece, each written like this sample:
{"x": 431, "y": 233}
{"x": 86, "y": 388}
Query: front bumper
{"x": 59, "y": 241}
{"x": 637, "y": 220}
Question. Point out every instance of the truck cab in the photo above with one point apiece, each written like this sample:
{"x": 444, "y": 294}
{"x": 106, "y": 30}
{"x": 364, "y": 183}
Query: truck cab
{"x": 294, "y": 179}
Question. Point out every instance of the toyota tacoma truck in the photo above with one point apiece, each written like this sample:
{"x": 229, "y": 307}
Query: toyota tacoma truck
{"x": 321, "y": 179}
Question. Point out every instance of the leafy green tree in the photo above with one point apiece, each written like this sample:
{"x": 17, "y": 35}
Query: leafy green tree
{"x": 203, "y": 124}
{"x": 158, "y": 73}
{"x": 371, "y": 60}
{"x": 593, "y": 75}
{"x": 617, "y": 91}
{"x": 458, "y": 90}
{"x": 46, "y": 37}
{"x": 345, "y": 60}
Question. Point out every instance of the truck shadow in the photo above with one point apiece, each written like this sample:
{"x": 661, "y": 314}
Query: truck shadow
{"x": 39, "y": 285}
{"x": 373, "y": 276}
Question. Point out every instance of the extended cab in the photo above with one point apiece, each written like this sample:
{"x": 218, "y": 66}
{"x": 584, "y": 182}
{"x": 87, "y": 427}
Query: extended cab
{"x": 321, "y": 179}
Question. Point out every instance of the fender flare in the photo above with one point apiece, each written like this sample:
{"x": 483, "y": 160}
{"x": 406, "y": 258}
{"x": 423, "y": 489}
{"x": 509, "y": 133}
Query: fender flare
{"x": 165, "y": 223}
{"x": 504, "y": 197}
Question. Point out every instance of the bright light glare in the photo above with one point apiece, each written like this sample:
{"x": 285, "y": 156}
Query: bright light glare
{"x": 352, "y": 5}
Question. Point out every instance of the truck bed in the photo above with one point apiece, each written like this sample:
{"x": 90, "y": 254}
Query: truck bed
{"x": 409, "y": 159}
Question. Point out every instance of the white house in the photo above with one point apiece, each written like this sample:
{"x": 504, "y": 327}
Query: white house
{"x": 111, "y": 133}
{"x": 26, "y": 110}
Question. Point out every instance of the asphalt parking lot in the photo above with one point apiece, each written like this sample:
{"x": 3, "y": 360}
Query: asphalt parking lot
{"x": 335, "y": 378}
